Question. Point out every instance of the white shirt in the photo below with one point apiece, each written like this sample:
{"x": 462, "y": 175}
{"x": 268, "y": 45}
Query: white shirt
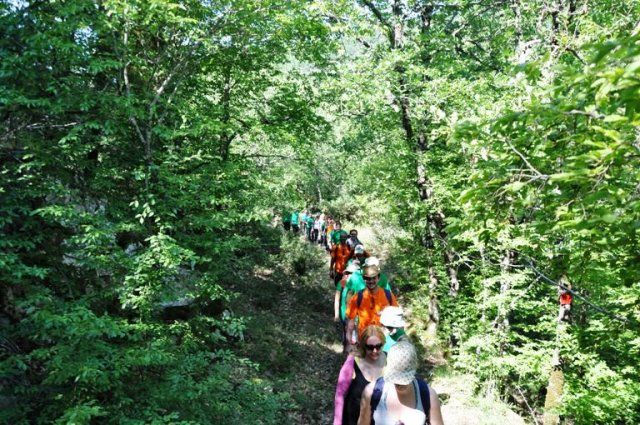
{"x": 408, "y": 416}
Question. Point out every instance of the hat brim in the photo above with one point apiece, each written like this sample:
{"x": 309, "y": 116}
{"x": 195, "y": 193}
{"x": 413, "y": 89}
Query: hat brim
{"x": 399, "y": 323}
{"x": 400, "y": 377}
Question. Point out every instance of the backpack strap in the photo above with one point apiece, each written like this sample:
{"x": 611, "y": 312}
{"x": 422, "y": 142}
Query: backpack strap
{"x": 389, "y": 296}
{"x": 425, "y": 397}
{"x": 375, "y": 396}
{"x": 387, "y": 293}
{"x": 423, "y": 388}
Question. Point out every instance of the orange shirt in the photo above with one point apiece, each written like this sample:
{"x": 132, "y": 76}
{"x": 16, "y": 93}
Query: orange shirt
{"x": 369, "y": 311}
{"x": 340, "y": 254}
{"x": 565, "y": 298}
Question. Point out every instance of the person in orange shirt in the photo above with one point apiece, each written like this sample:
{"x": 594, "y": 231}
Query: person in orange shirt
{"x": 340, "y": 254}
{"x": 367, "y": 304}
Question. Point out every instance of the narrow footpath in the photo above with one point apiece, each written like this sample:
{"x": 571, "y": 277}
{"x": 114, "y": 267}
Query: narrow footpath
{"x": 290, "y": 333}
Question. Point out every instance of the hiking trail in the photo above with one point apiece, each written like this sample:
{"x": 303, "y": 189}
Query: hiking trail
{"x": 291, "y": 334}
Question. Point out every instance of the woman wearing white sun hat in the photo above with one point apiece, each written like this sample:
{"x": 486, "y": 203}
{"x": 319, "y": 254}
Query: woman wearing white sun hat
{"x": 399, "y": 397}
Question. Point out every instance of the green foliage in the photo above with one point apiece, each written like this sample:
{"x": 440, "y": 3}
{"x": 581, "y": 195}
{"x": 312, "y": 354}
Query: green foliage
{"x": 129, "y": 201}
{"x": 524, "y": 121}
{"x": 565, "y": 172}
{"x": 143, "y": 143}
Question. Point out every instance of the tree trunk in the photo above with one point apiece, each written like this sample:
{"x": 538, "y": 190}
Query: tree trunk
{"x": 418, "y": 146}
{"x": 434, "y": 309}
{"x": 226, "y": 138}
{"x": 555, "y": 387}
{"x": 502, "y": 320}
{"x": 554, "y": 395}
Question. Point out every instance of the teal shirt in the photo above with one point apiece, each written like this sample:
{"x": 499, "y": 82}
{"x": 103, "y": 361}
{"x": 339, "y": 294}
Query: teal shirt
{"x": 294, "y": 218}
{"x": 392, "y": 340}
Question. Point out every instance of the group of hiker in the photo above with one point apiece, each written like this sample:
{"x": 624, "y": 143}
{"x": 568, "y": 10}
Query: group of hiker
{"x": 378, "y": 382}
{"x": 315, "y": 227}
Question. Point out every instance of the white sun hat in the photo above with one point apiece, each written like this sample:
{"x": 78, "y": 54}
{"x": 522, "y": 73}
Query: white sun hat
{"x": 372, "y": 261}
{"x": 402, "y": 363}
{"x": 392, "y": 317}
{"x": 353, "y": 267}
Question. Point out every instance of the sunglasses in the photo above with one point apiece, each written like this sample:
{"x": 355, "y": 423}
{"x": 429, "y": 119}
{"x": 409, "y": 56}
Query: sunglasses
{"x": 373, "y": 347}
{"x": 368, "y": 278}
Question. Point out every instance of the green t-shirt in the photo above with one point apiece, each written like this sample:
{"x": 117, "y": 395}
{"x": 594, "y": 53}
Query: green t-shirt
{"x": 294, "y": 218}
{"x": 286, "y": 217}
{"x": 310, "y": 220}
{"x": 335, "y": 236}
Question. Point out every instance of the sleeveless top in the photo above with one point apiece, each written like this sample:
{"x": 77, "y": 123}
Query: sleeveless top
{"x": 352, "y": 400}
{"x": 381, "y": 415}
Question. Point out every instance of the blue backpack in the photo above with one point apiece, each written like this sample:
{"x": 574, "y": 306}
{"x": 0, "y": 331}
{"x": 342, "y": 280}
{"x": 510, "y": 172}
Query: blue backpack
{"x": 424, "y": 397}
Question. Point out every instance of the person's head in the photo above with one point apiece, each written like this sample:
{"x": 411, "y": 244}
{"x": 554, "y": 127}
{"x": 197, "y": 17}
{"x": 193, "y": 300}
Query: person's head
{"x": 337, "y": 225}
{"x": 343, "y": 237}
{"x": 371, "y": 274}
{"x": 371, "y": 342}
{"x": 392, "y": 318}
{"x": 353, "y": 233}
{"x": 372, "y": 261}
{"x": 351, "y": 268}
{"x": 359, "y": 250}
{"x": 402, "y": 363}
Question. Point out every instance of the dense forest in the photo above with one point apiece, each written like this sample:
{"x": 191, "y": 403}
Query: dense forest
{"x": 147, "y": 146}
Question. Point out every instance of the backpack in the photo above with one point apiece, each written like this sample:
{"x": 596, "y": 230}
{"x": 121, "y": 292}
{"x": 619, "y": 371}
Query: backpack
{"x": 424, "y": 397}
{"x": 386, "y": 292}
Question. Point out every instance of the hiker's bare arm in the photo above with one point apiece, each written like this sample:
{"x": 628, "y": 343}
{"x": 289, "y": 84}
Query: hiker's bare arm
{"x": 435, "y": 414}
{"x": 333, "y": 261}
{"x": 351, "y": 324}
{"x": 336, "y": 306}
{"x": 365, "y": 405}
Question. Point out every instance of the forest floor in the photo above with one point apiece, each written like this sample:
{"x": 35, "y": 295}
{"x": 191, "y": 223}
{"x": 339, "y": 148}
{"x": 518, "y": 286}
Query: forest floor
{"x": 291, "y": 334}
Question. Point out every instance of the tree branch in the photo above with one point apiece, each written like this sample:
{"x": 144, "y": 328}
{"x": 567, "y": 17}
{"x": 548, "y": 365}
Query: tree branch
{"x": 531, "y": 167}
{"x": 372, "y": 7}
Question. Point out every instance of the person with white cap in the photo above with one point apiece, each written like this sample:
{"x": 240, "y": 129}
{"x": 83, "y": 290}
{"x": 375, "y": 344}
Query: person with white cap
{"x": 339, "y": 306}
{"x": 359, "y": 254}
{"x": 392, "y": 319}
{"x": 338, "y": 311}
{"x": 399, "y": 396}
{"x": 372, "y": 261}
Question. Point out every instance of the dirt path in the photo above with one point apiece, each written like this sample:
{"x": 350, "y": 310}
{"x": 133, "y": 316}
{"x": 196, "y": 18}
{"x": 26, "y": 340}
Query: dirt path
{"x": 291, "y": 334}
{"x": 290, "y": 331}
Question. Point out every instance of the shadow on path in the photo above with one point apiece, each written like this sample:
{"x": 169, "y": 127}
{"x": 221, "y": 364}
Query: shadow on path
{"x": 290, "y": 331}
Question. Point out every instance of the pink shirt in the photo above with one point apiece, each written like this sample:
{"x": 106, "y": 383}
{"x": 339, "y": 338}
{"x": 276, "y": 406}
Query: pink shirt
{"x": 344, "y": 382}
